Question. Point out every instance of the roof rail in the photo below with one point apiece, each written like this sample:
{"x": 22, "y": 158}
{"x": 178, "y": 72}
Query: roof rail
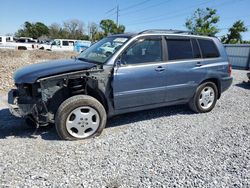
{"x": 169, "y": 31}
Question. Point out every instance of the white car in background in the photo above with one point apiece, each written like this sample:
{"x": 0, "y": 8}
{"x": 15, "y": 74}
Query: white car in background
{"x": 109, "y": 48}
{"x": 22, "y": 43}
{"x": 59, "y": 45}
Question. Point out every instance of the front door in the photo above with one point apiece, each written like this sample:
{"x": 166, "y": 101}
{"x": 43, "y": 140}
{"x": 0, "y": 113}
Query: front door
{"x": 140, "y": 78}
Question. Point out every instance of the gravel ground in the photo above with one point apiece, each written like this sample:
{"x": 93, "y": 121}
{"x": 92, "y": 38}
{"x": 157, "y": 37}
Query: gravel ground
{"x": 157, "y": 148}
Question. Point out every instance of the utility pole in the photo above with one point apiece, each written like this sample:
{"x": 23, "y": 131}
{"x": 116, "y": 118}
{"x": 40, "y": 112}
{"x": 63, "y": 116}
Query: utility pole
{"x": 117, "y": 14}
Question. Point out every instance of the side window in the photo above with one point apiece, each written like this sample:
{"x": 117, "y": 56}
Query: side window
{"x": 208, "y": 48}
{"x": 0, "y": 39}
{"x": 57, "y": 42}
{"x": 71, "y": 43}
{"x": 179, "y": 49}
{"x": 143, "y": 51}
{"x": 65, "y": 43}
{"x": 196, "y": 50}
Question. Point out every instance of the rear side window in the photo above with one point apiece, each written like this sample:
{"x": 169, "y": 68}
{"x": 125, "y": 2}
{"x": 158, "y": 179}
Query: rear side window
{"x": 179, "y": 49}
{"x": 208, "y": 48}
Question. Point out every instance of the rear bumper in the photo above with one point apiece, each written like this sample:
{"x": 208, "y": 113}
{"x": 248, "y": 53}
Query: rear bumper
{"x": 226, "y": 83}
{"x": 248, "y": 75}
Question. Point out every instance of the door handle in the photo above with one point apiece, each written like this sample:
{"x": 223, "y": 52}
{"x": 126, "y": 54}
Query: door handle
{"x": 198, "y": 64}
{"x": 160, "y": 68}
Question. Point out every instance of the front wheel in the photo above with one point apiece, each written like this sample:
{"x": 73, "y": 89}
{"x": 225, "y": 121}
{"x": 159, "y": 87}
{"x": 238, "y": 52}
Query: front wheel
{"x": 205, "y": 98}
{"x": 80, "y": 117}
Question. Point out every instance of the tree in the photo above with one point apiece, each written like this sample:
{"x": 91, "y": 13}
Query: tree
{"x": 234, "y": 33}
{"x": 74, "y": 29}
{"x": 109, "y": 27}
{"x": 55, "y": 31}
{"x": 34, "y": 30}
{"x": 93, "y": 30}
{"x": 203, "y": 22}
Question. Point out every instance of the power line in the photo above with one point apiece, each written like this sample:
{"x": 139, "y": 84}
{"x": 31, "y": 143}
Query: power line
{"x": 134, "y": 5}
{"x": 111, "y": 10}
{"x": 116, "y": 9}
{"x": 152, "y": 19}
{"x": 176, "y": 15}
{"x": 148, "y": 7}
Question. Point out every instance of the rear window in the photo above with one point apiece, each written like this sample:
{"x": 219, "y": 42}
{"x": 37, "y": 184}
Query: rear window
{"x": 208, "y": 48}
{"x": 179, "y": 49}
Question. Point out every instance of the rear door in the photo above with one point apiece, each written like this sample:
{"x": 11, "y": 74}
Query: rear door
{"x": 184, "y": 68}
{"x": 141, "y": 78}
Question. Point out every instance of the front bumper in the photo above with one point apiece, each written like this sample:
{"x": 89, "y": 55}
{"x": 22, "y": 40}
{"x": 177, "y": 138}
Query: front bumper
{"x": 16, "y": 109}
{"x": 12, "y": 103}
{"x": 27, "y": 107}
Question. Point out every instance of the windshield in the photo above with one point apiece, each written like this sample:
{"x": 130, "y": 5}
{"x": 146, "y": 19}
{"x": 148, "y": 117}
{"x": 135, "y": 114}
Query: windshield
{"x": 101, "y": 51}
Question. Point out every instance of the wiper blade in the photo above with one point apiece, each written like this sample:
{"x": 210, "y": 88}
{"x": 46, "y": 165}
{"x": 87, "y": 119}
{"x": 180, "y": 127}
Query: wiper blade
{"x": 81, "y": 59}
{"x": 87, "y": 60}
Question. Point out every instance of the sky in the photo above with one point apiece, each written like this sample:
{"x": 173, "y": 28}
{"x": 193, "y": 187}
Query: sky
{"x": 136, "y": 15}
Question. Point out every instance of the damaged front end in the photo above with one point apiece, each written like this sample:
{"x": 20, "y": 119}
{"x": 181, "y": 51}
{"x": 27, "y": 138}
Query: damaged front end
{"x": 40, "y": 100}
{"x": 25, "y": 101}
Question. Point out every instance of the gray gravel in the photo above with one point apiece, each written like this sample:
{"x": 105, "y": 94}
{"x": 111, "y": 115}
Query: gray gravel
{"x": 164, "y": 147}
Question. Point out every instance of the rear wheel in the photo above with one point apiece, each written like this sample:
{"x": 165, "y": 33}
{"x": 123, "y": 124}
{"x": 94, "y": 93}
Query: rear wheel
{"x": 80, "y": 117}
{"x": 205, "y": 98}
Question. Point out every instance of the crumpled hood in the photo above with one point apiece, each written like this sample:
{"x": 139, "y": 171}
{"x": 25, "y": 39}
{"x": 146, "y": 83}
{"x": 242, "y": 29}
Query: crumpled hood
{"x": 32, "y": 73}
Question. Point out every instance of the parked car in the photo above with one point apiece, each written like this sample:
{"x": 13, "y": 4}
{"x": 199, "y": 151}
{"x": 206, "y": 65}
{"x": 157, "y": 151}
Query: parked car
{"x": 150, "y": 69}
{"x": 6, "y": 42}
{"x": 60, "y": 45}
{"x": 109, "y": 48}
{"x": 22, "y": 43}
{"x": 81, "y": 45}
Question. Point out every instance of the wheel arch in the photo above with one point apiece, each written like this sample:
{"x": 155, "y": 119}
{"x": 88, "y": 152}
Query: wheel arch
{"x": 98, "y": 95}
{"x": 216, "y": 81}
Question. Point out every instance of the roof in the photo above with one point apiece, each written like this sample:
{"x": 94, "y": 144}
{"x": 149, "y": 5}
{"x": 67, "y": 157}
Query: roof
{"x": 162, "y": 32}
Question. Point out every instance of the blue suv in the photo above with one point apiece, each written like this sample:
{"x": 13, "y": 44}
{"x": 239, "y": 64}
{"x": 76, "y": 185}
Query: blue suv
{"x": 150, "y": 69}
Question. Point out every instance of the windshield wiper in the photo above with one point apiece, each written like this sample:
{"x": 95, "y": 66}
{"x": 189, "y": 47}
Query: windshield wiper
{"x": 87, "y": 60}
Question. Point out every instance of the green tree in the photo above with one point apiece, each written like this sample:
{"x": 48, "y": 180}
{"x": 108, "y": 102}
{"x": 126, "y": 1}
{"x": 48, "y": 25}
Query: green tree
{"x": 34, "y": 30}
{"x": 234, "y": 33}
{"x": 204, "y": 22}
{"x": 109, "y": 27}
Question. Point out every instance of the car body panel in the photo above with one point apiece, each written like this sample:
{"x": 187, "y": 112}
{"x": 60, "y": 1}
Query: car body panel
{"x": 31, "y": 73}
{"x": 139, "y": 85}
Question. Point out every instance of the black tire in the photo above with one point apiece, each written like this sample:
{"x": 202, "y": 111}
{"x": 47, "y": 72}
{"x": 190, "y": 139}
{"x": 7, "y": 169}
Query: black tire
{"x": 194, "y": 103}
{"x": 73, "y": 103}
{"x": 22, "y": 48}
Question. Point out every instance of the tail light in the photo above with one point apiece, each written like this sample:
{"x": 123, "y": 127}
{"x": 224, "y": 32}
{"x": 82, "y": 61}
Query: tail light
{"x": 229, "y": 69}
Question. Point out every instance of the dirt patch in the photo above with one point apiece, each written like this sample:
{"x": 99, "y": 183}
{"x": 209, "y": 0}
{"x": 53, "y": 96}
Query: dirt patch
{"x": 11, "y": 60}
